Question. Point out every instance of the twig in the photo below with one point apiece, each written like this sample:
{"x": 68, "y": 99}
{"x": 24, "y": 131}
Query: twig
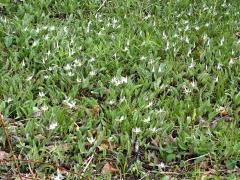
{"x": 30, "y": 169}
{"x": 10, "y": 146}
{"x": 100, "y": 7}
{"x": 89, "y": 161}
{"x": 226, "y": 118}
{"x": 197, "y": 157}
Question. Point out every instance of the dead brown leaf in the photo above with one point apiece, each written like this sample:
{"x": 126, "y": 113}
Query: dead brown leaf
{"x": 108, "y": 168}
{"x": 3, "y": 155}
{"x": 105, "y": 145}
{"x": 223, "y": 111}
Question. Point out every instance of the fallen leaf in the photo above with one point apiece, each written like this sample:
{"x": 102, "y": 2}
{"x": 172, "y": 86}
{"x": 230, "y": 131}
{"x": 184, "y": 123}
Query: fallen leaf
{"x": 3, "y": 158}
{"x": 104, "y": 145}
{"x": 223, "y": 111}
{"x": 205, "y": 164}
{"x": 62, "y": 170}
{"x": 238, "y": 35}
{"x": 108, "y": 168}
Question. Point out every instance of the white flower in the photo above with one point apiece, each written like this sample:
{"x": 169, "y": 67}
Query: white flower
{"x": 205, "y": 37}
{"x": 194, "y": 84}
{"x": 175, "y": 35}
{"x": 150, "y": 62}
{"x": 162, "y": 165}
{"x": 118, "y": 81}
{"x": 146, "y": 120}
{"x": 231, "y": 62}
{"x": 115, "y": 55}
{"x": 161, "y": 68}
{"x": 186, "y": 90}
{"x": 153, "y": 130}
{"x": 153, "y": 69}
{"x": 192, "y": 65}
{"x": 35, "y": 43}
{"x": 93, "y": 73}
{"x": 114, "y": 22}
{"x": 70, "y": 103}
{"x": 219, "y": 66}
{"x": 44, "y": 108}
{"x": 29, "y": 78}
{"x": 51, "y": 28}
{"x": 37, "y": 30}
{"x": 44, "y": 27}
{"x": 9, "y": 100}
{"x": 92, "y": 59}
{"x": 79, "y": 80}
{"x": 53, "y": 125}
{"x": 91, "y": 140}
{"x": 65, "y": 29}
{"x": 46, "y": 37}
{"x": 189, "y": 52}
{"x": 161, "y": 110}
{"x": 187, "y": 40}
{"x": 70, "y": 74}
{"x": 41, "y": 94}
{"x": 67, "y": 67}
{"x": 222, "y": 41}
{"x": 149, "y": 104}
{"x": 23, "y": 63}
{"x": 121, "y": 119}
{"x": 122, "y": 99}
{"x": 164, "y": 35}
{"x": 59, "y": 176}
{"x": 125, "y": 49}
{"x": 197, "y": 28}
{"x": 111, "y": 102}
{"x": 50, "y": 68}
{"x": 163, "y": 86}
{"x": 136, "y": 130}
{"x": 48, "y": 53}
{"x": 88, "y": 27}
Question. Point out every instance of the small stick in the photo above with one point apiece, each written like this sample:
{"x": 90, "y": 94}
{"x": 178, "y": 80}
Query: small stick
{"x": 10, "y": 146}
{"x": 197, "y": 157}
{"x": 89, "y": 161}
{"x": 104, "y": 2}
{"x": 30, "y": 169}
